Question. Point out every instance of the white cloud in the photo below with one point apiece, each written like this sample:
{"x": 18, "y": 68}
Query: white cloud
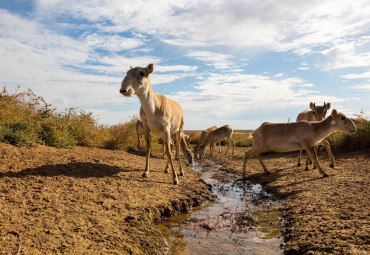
{"x": 231, "y": 95}
{"x": 362, "y": 87}
{"x": 111, "y": 118}
{"x": 173, "y": 68}
{"x": 280, "y": 25}
{"x": 167, "y": 78}
{"x": 279, "y": 75}
{"x": 40, "y": 52}
{"x": 219, "y": 61}
{"x": 54, "y": 65}
{"x": 112, "y": 43}
{"x": 365, "y": 75}
{"x": 349, "y": 54}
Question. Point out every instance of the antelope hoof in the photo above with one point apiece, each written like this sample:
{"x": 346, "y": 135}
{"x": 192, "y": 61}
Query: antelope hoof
{"x": 299, "y": 164}
{"x": 331, "y": 165}
{"x": 181, "y": 173}
{"x": 175, "y": 182}
{"x": 267, "y": 172}
{"x": 166, "y": 171}
{"x": 325, "y": 175}
{"x": 145, "y": 175}
{"x": 314, "y": 167}
{"x": 306, "y": 168}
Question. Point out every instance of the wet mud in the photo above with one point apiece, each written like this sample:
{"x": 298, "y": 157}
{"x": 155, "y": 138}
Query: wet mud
{"x": 245, "y": 219}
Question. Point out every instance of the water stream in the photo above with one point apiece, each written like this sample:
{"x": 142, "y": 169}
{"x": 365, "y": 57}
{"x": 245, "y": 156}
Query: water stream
{"x": 244, "y": 220}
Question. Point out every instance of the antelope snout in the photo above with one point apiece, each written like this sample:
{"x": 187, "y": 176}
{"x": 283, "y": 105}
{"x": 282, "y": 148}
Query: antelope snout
{"x": 122, "y": 91}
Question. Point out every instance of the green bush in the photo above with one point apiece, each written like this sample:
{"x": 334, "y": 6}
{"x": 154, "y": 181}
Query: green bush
{"x": 26, "y": 119}
{"x": 18, "y": 133}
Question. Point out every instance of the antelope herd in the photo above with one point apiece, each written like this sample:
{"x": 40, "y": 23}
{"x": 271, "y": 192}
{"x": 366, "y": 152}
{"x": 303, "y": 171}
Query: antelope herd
{"x": 165, "y": 118}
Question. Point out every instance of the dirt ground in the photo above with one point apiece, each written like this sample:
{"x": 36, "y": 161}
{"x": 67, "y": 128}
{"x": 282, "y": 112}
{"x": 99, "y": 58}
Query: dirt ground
{"x": 93, "y": 201}
{"x": 87, "y": 201}
{"x": 322, "y": 215}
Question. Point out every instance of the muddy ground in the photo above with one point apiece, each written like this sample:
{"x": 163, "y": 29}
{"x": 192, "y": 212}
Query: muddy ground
{"x": 87, "y": 201}
{"x": 93, "y": 201}
{"x": 322, "y": 215}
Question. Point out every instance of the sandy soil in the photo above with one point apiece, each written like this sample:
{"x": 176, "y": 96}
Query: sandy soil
{"x": 93, "y": 201}
{"x": 322, "y": 215}
{"x": 87, "y": 201}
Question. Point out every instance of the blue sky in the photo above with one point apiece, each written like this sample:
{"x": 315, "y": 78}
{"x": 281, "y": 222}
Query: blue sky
{"x": 236, "y": 62}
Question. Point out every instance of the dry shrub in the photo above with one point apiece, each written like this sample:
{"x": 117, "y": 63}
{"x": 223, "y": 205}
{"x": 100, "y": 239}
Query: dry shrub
{"x": 122, "y": 136}
{"x": 19, "y": 117}
{"x": 26, "y": 119}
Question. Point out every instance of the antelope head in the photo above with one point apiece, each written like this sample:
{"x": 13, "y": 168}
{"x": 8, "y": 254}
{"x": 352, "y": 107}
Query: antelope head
{"x": 136, "y": 81}
{"x": 319, "y": 112}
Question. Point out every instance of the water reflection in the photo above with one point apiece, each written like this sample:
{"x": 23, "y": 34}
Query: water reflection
{"x": 244, "y": 220}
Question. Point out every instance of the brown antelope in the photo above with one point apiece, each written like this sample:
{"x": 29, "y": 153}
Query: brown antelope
{"x": 159, "y": 114}
{"x": 217, "y": 135}
{"x": 202, "y": 139}
{"x": 317, "y": 113}
{"x": 285, "y": 137}
{"x": 140, "y": 131}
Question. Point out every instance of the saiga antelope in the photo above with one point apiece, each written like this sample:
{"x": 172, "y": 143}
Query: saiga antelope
{"x": 140, "y": 131}
{"x": 217, "y": 135}
{"x": 317, "y": 113}
{"x": 202, "y": 139}
{"x": 159, "y": 114}
{"x": 285, "y": 137}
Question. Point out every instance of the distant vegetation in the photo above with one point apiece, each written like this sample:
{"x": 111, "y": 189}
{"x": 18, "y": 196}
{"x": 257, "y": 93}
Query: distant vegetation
{"x": 26, "y": 119}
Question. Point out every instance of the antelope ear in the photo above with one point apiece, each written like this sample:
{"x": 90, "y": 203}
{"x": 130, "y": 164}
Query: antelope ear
{"x": 334, "y": 113}
{"x": 328, "y": 106}
{"x": 131, "y": 67}
{"x": 312, "y": 105}
{"x": 149, "y": 69}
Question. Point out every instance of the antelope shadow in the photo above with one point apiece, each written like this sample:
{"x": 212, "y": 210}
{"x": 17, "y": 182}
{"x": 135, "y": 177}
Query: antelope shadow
{"x": 75, "y": 169}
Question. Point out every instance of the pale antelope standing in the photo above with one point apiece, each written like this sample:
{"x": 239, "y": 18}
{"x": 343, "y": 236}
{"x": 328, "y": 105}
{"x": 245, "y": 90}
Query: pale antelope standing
{"x": 317, "y": 113}
{"x": 217, "y": 135}
{"x": 286, "y": 137}
{"x": 159, "y": 114}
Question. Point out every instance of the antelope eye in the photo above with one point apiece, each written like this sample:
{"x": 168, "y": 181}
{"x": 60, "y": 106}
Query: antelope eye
{"x": 343, "y": 118}
{"x": 141, "y": 73}
{"x": 314, "y": 113}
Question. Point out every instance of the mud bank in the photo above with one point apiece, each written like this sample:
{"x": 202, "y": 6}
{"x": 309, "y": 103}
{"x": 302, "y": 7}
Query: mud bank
{"x": 323, "y": 215}
{"x": 86, "y": 200}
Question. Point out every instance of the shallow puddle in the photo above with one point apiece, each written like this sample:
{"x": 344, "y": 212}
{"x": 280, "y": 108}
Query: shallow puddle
{"x": 244, "y": 220}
